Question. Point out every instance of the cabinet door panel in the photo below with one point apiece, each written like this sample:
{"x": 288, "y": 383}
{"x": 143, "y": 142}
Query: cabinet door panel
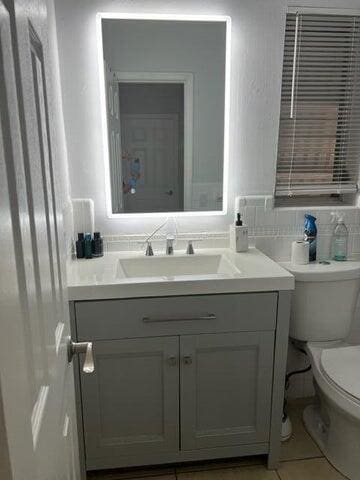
{"x": 225, "y": 389}
{"x": 130, "y": 402}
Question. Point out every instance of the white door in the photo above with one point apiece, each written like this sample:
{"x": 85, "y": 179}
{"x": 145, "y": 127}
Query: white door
{"x": 36, "y": 380}
{"x": 153, "y": 139}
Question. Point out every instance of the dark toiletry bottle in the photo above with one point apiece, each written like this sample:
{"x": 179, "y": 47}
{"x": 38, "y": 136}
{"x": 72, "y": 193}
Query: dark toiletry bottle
{"x": 97, "y": 245}
{"x": 87, "y": 246}
{"x": 80, "y": 247}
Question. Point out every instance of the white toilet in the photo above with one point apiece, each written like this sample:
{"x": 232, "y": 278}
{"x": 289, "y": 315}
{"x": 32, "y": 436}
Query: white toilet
{"x": 322, "y": 311}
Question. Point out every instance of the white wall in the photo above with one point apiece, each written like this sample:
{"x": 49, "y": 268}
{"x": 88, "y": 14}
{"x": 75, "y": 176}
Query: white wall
{"x": 256, "y": 65}
{"x": 61, "y": 163}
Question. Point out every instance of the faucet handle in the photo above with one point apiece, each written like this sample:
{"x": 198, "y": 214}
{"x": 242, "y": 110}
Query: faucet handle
{"x": 190, "y": 248}
{"x": 149, "y": 250}
{"x": 170, "y": 244}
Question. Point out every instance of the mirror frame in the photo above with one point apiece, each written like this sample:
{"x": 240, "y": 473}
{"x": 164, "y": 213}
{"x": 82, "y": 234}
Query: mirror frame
{"x": 105, "y": 143}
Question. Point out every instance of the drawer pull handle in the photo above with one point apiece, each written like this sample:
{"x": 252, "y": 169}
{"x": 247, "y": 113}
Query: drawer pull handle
{"x": 210, "y": 316}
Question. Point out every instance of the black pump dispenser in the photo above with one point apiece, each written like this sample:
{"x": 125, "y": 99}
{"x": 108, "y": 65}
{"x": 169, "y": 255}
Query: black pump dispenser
{"x": 238, "y": 222}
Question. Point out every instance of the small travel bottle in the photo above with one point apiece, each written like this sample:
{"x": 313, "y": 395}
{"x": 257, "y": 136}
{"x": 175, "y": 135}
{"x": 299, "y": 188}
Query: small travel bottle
{"x": 80, "y": 247}
{"x": 97, "y": 245}
{"x": 87, "y": 246}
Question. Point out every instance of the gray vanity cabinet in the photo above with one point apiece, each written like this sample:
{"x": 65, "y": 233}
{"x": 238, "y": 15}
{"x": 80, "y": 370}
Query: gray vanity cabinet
{"x": 182, "y": 378}
{"x": 130, "y": 403}
{"x": 225, "y": 389}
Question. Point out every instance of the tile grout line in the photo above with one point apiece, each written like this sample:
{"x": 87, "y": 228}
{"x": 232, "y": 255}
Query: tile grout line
{"x": 286, "y": 460}
{"x": 277, "y": 474}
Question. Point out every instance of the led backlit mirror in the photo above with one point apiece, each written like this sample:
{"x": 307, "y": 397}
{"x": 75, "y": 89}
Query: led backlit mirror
{"x": 165, "y": 94}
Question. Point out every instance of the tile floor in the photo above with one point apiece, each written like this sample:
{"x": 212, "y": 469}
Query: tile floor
{"x": 301, "y": 460}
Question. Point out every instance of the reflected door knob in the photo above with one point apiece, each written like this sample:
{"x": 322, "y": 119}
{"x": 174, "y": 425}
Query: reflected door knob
{"x": 75, "y": 348}
{"x": 169, "y": 192}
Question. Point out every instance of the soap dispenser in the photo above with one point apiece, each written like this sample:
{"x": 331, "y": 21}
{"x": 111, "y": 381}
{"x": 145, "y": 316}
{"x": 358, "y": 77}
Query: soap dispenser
{"x": 239, "y": 235}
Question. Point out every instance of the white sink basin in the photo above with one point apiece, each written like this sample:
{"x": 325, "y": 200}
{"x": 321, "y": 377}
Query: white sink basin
{"x": 208, "y": 266}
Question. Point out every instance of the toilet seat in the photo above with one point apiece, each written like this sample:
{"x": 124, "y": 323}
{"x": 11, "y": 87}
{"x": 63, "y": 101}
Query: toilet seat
{"x": 338, "y": 365}
{"x": 340, "y": 397}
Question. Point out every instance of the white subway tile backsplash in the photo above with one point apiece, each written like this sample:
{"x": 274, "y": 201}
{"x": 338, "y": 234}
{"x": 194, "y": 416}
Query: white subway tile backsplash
{"x": 354, "y": 244}
{"x": 322, "y": 217}
{"x": 265, "y": 218}
{"x": 323, "y": 247}
{"x": 255, "y": 201}
{"x": 282, "y": 248}
{"x": 266, "y": 245}
{"x": 285, "y": 218}
{"x": 249, "y": 213}
{"x": 272, "y": 230}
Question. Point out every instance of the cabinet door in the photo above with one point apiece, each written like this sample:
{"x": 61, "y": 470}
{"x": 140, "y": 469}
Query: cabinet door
{"x": 130, "y": 402}
{"x": 225, "y": 389}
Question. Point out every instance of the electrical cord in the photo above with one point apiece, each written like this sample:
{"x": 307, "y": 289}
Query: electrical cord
{"x": 295, "y": 372}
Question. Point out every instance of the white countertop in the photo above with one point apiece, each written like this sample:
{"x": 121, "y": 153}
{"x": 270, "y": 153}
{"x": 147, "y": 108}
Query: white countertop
{"x": 97, "y": 278}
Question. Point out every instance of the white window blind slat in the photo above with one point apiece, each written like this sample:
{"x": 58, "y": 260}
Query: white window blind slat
{"x": 319, "y": 135}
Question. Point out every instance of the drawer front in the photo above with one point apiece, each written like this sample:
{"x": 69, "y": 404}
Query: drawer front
{"x": 144, "y": 317}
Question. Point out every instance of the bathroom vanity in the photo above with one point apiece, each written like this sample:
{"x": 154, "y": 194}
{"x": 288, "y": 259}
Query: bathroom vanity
{"x": 187, "y": 366}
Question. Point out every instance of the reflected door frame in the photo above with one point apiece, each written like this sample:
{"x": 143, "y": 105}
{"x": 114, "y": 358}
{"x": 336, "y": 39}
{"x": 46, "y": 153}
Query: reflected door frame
{"x": 187, "y": 79}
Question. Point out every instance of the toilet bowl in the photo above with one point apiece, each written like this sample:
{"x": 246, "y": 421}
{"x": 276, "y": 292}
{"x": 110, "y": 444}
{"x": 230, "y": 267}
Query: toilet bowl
{"x": 322, "y": 311}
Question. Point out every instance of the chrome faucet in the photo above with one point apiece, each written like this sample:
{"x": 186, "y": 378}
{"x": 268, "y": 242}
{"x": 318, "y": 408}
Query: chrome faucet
{"x": 190, "y": 248}
{"x": 169, "y": 241}
{"x": 169, "y": 245}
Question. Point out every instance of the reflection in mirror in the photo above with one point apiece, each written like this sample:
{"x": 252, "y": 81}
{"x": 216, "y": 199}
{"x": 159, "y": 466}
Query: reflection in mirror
{"x": 165, "y": 110}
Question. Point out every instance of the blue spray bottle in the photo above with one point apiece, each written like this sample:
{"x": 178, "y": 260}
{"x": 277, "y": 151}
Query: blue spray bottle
{"x": 310, "y": 232}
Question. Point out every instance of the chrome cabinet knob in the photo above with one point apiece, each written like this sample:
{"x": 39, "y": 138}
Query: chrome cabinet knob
{"x": 75, "y": 348}
{"x": 187, "y": 359}
{"x": 172, "y": 360}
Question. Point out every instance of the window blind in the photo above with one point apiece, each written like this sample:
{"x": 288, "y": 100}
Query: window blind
{"x": 319, "y": 135}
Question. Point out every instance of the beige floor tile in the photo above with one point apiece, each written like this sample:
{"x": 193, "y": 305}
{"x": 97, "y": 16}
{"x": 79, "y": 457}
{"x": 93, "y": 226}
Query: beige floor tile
{"x": 301, "y": 445}
{"x": 165, "y": 473}
{"x": 257, "y": 472}
{"x": 313, "y": 469}
{"x": 221, "y": 464}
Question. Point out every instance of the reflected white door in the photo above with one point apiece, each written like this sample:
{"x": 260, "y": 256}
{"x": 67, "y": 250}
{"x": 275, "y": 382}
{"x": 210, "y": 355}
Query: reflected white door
{"x": 153, "y": 139}
{"x": 36, "y": 380}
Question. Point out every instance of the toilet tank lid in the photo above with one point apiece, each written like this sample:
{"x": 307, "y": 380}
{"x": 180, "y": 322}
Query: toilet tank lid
{"x": 341, "y": 365}
{"x": 318, "y": 272}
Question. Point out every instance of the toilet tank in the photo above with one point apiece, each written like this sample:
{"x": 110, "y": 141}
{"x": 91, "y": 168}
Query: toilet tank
{"x": 324, "y": 300}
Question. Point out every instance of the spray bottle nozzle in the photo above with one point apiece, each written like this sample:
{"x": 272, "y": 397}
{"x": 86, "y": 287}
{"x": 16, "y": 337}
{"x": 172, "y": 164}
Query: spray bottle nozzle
{"x": 337, "y": 217}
